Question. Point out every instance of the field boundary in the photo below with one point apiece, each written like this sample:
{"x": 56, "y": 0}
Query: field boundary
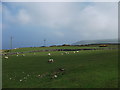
{"x": 47, "y": 50}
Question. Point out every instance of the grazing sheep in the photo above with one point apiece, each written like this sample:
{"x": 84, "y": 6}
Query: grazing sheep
{"x": 50, "y": 60}
{"x": 77, "y": 51}
{"x": 62, "y": 69}
{"x": 6, "y": 57}
{"x": 55, "y": 76}
{"x": 39, "y": 75}
{"x": 49, "y": 54}
{"x": 66, "y": 52}
{"x": 10, "y": 78}
{"x": 17, "y": 53}
{"x": 74, "y": 52}
{"x": 20, "y": 80}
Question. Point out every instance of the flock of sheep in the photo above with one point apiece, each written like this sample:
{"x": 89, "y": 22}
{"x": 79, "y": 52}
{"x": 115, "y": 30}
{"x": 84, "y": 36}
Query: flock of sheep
{"x": 52, "y": 75}
{"x": 51, "y": 60}
{"x": 6, "y": 57}
{"x": 49, "y": 54}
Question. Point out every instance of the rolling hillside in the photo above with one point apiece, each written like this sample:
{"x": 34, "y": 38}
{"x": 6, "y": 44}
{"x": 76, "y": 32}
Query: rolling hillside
{"x": 95, "y": 41}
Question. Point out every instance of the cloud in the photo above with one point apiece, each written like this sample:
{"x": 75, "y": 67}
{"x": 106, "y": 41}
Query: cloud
{"x": 23, "y": 17}
{"x": 0, "y": 26}
{"x": 81, "y": 20}
{"x": 97, "y": 22}
{"x": 20, "y": 18}
{"x": 59, "y": 34}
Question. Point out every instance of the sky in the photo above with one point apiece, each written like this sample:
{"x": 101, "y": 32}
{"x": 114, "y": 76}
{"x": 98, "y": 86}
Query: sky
{"x": 29, "y": 23}
{"x": 0, "y": 26}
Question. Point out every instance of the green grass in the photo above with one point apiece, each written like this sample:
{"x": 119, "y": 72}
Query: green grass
{"x": 86, "y": 69}
{"x": 0, "y": 72}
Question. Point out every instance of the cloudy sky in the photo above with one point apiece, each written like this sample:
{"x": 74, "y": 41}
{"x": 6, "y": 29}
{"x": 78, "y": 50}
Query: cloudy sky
{"x": 59, "y": 23}
{"x": 0, "y": 26}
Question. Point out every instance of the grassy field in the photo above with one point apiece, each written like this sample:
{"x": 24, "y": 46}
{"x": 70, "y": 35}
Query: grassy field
{"x": 64, "y": 47}
{"x": 83, "y": 69}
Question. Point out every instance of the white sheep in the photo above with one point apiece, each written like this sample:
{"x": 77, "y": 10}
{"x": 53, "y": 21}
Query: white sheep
{"x": 17, "y": 55}
{"x": 39, "y": 75}
{"x": 6, "y": 57}
{"x": 50, "y": 60}
{"x": 10, "y": 78}
{"x": 62, "y": 69}
{"x": 21, "y": 80}
{"x": 66, "y": 52}
{"x": 49, "y": 54}
{"x": 77, "y": 51}
{"x": 55, "y": 76}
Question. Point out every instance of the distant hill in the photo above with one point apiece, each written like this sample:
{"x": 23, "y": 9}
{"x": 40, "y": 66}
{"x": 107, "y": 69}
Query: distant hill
{"x": 83, "y": 42}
